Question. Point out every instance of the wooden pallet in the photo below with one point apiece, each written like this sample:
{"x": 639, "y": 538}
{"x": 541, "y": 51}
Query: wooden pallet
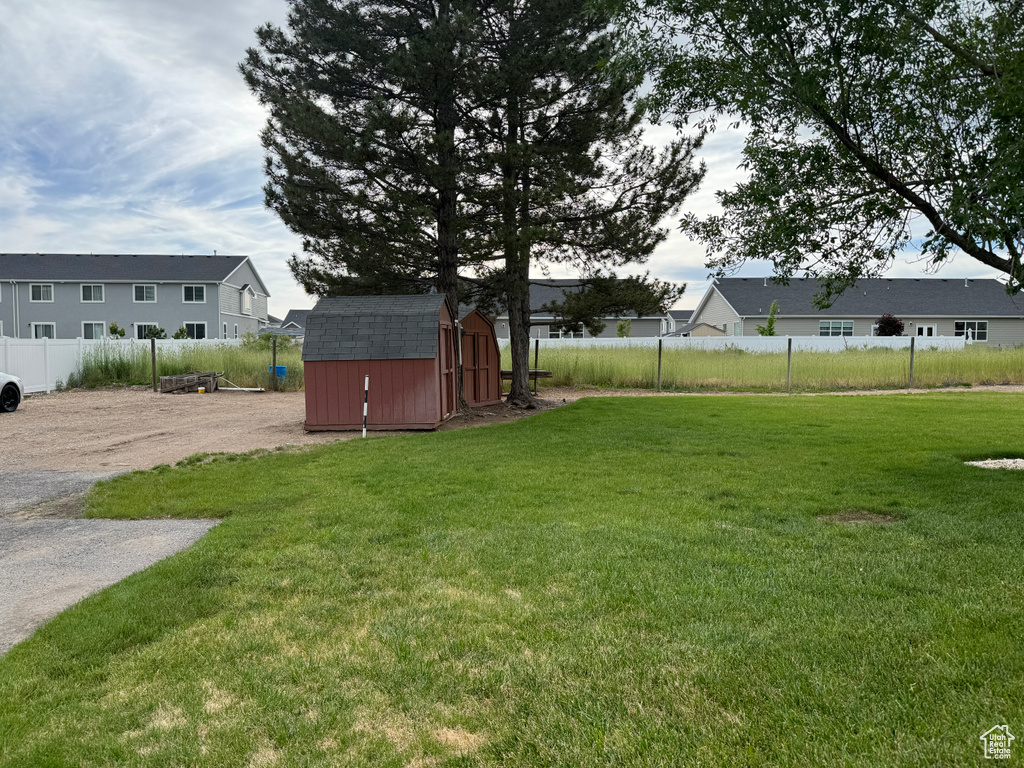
{"x": 190, "y": 382}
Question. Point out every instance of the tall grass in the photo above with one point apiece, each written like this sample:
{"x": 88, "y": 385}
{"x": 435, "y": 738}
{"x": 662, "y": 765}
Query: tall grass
{"x": 737, "y": 370}
{"x": 247, "y": 365}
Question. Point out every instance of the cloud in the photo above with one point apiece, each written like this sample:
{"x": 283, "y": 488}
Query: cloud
{"x": 126, "y": 127}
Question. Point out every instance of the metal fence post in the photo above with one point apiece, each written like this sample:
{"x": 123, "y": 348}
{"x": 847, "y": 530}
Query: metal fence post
{"x": 46, "y": 362}
{"x": 152, "y": 355}
{"x": 659, "y": 365}
{"x": 536, "y": 364}
{"x": 911, "y": 384}
{"x": 273, "y": 363}
{"x": 789, "y": 364}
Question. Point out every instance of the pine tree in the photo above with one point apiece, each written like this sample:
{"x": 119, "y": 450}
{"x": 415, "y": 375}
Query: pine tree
{"x": 362, "y": 154}
{"x": 452, "y": 144}
{"x": 559, "y": 167}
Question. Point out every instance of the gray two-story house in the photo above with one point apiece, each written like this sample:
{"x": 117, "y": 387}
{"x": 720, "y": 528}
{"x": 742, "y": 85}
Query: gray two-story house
{"x": 69, "y": 296}
{"x": 543, "y": 292}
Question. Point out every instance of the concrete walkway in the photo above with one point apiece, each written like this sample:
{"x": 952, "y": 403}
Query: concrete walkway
{"x": 49, "y": 565}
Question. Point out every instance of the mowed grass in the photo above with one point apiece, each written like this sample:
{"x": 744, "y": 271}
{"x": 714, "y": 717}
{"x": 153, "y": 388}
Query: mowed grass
{"x": 628, "y": 582}
{"x": 737, "y": 370}
{"x": 247, "y": 365}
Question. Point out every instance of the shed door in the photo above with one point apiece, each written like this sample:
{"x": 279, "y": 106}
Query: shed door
{"x": 446, "y": 354}
{"x": 484, "y": 365}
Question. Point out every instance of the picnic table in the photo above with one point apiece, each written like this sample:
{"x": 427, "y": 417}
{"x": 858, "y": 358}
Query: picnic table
{"x": 535, "y": 373}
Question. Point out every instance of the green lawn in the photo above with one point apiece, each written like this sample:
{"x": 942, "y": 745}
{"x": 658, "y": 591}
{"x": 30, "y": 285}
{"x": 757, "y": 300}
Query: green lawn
{"x": 628, "y": 582}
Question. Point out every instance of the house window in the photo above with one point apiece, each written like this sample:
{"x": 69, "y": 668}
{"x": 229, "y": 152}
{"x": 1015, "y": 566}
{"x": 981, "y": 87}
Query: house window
{"x": 974, "y": 330}
{"x": 926, "y": 331}
{"x": 565, "y": 334}
{"x": 224, "y": 335}
{"x": 835, "y": 328}
{"x": 196, "y": 330}
{"x": 193, "y": 294}
{"x": 145, "y": 294}
{"x": 92, "y": 330}
{"x": 92, "y": 294}
{"x": 41, "y": 292}
{"x": 44, "y": 330}
{"x": 142, "y": 329}
{"x": 236, "y": 330}
{"x": 246, "y": 303}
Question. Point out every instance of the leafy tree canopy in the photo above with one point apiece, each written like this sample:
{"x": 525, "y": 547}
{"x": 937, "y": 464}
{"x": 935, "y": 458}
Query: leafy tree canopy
{"x": 873, "y": 126}
{"x": 607, "y": 296}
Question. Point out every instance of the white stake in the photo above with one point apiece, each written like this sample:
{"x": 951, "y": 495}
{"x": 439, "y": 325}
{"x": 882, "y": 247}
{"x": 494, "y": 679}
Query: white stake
{"x": 366, "y": 400}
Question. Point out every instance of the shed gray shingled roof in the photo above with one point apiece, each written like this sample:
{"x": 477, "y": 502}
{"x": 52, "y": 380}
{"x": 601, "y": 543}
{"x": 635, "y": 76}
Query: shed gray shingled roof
{"x": 373, "y": 328}
{"x": 108, "y": 267}
{"x": 903, "y": 297}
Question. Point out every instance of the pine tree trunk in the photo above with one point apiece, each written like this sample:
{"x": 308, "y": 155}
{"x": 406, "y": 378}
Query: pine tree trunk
{"x": 517, "y": 265}
{"x": 518, "y": 296}
{"x": 446, "y": 119}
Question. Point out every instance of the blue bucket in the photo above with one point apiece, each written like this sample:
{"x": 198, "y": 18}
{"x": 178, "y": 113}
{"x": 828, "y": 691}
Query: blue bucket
{"x": 282, "y": 370}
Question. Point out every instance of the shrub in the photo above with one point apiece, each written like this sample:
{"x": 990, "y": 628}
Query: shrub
{"x": 768, "y": 329}
{"x": 888, "y": 325}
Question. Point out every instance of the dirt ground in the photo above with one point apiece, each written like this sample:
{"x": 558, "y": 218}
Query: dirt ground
{"x": 117, "y": 430}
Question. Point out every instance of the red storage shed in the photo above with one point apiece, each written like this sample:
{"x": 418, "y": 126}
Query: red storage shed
{"x": 481, "y": 360}
{"x": 405, "y": 344}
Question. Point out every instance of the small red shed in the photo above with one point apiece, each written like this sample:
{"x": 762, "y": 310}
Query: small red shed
{"x": 405, "y": 344}
{"x": 481, "y": 360}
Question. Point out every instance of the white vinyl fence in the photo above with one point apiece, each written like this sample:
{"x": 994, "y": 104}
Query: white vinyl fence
{"x": 758, "y": 343}
{"x": 43, "y": 364}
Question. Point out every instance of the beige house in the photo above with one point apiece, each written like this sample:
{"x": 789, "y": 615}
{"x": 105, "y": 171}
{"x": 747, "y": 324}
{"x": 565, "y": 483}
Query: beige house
{"x": 543, "y": 292}
{"x": 979, "y": 310}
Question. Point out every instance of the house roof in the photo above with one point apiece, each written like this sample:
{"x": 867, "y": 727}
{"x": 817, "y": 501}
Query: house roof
{"x": 903, "y": 297}
{"x": 297, "y": 316}
{"x": 109, "y": 267}
{"x": 681, "y": 315}
{"x": 373, "y": 328}
{"x": 547, "y": 291}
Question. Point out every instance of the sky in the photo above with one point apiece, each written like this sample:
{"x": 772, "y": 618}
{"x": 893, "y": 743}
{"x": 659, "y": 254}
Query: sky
{"x": 125, "y": 127}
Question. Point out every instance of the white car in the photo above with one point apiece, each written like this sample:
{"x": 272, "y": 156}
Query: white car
{"x": 11, "y": 392}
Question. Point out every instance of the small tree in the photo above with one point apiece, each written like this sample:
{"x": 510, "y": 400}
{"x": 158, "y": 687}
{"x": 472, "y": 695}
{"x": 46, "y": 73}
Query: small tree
{"x": 624, "y": 329}
{"x": 181, "y": 333}
{"x": 888, "y": 325}
{"x": 116, "y": 330}
{"x": 768, "y": 329}
{"x": 155, "y": 332}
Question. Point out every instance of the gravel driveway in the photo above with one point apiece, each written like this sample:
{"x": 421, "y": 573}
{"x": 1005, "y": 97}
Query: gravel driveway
{"x": 26, "y": 488}
{"x": 49, "y": 565}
